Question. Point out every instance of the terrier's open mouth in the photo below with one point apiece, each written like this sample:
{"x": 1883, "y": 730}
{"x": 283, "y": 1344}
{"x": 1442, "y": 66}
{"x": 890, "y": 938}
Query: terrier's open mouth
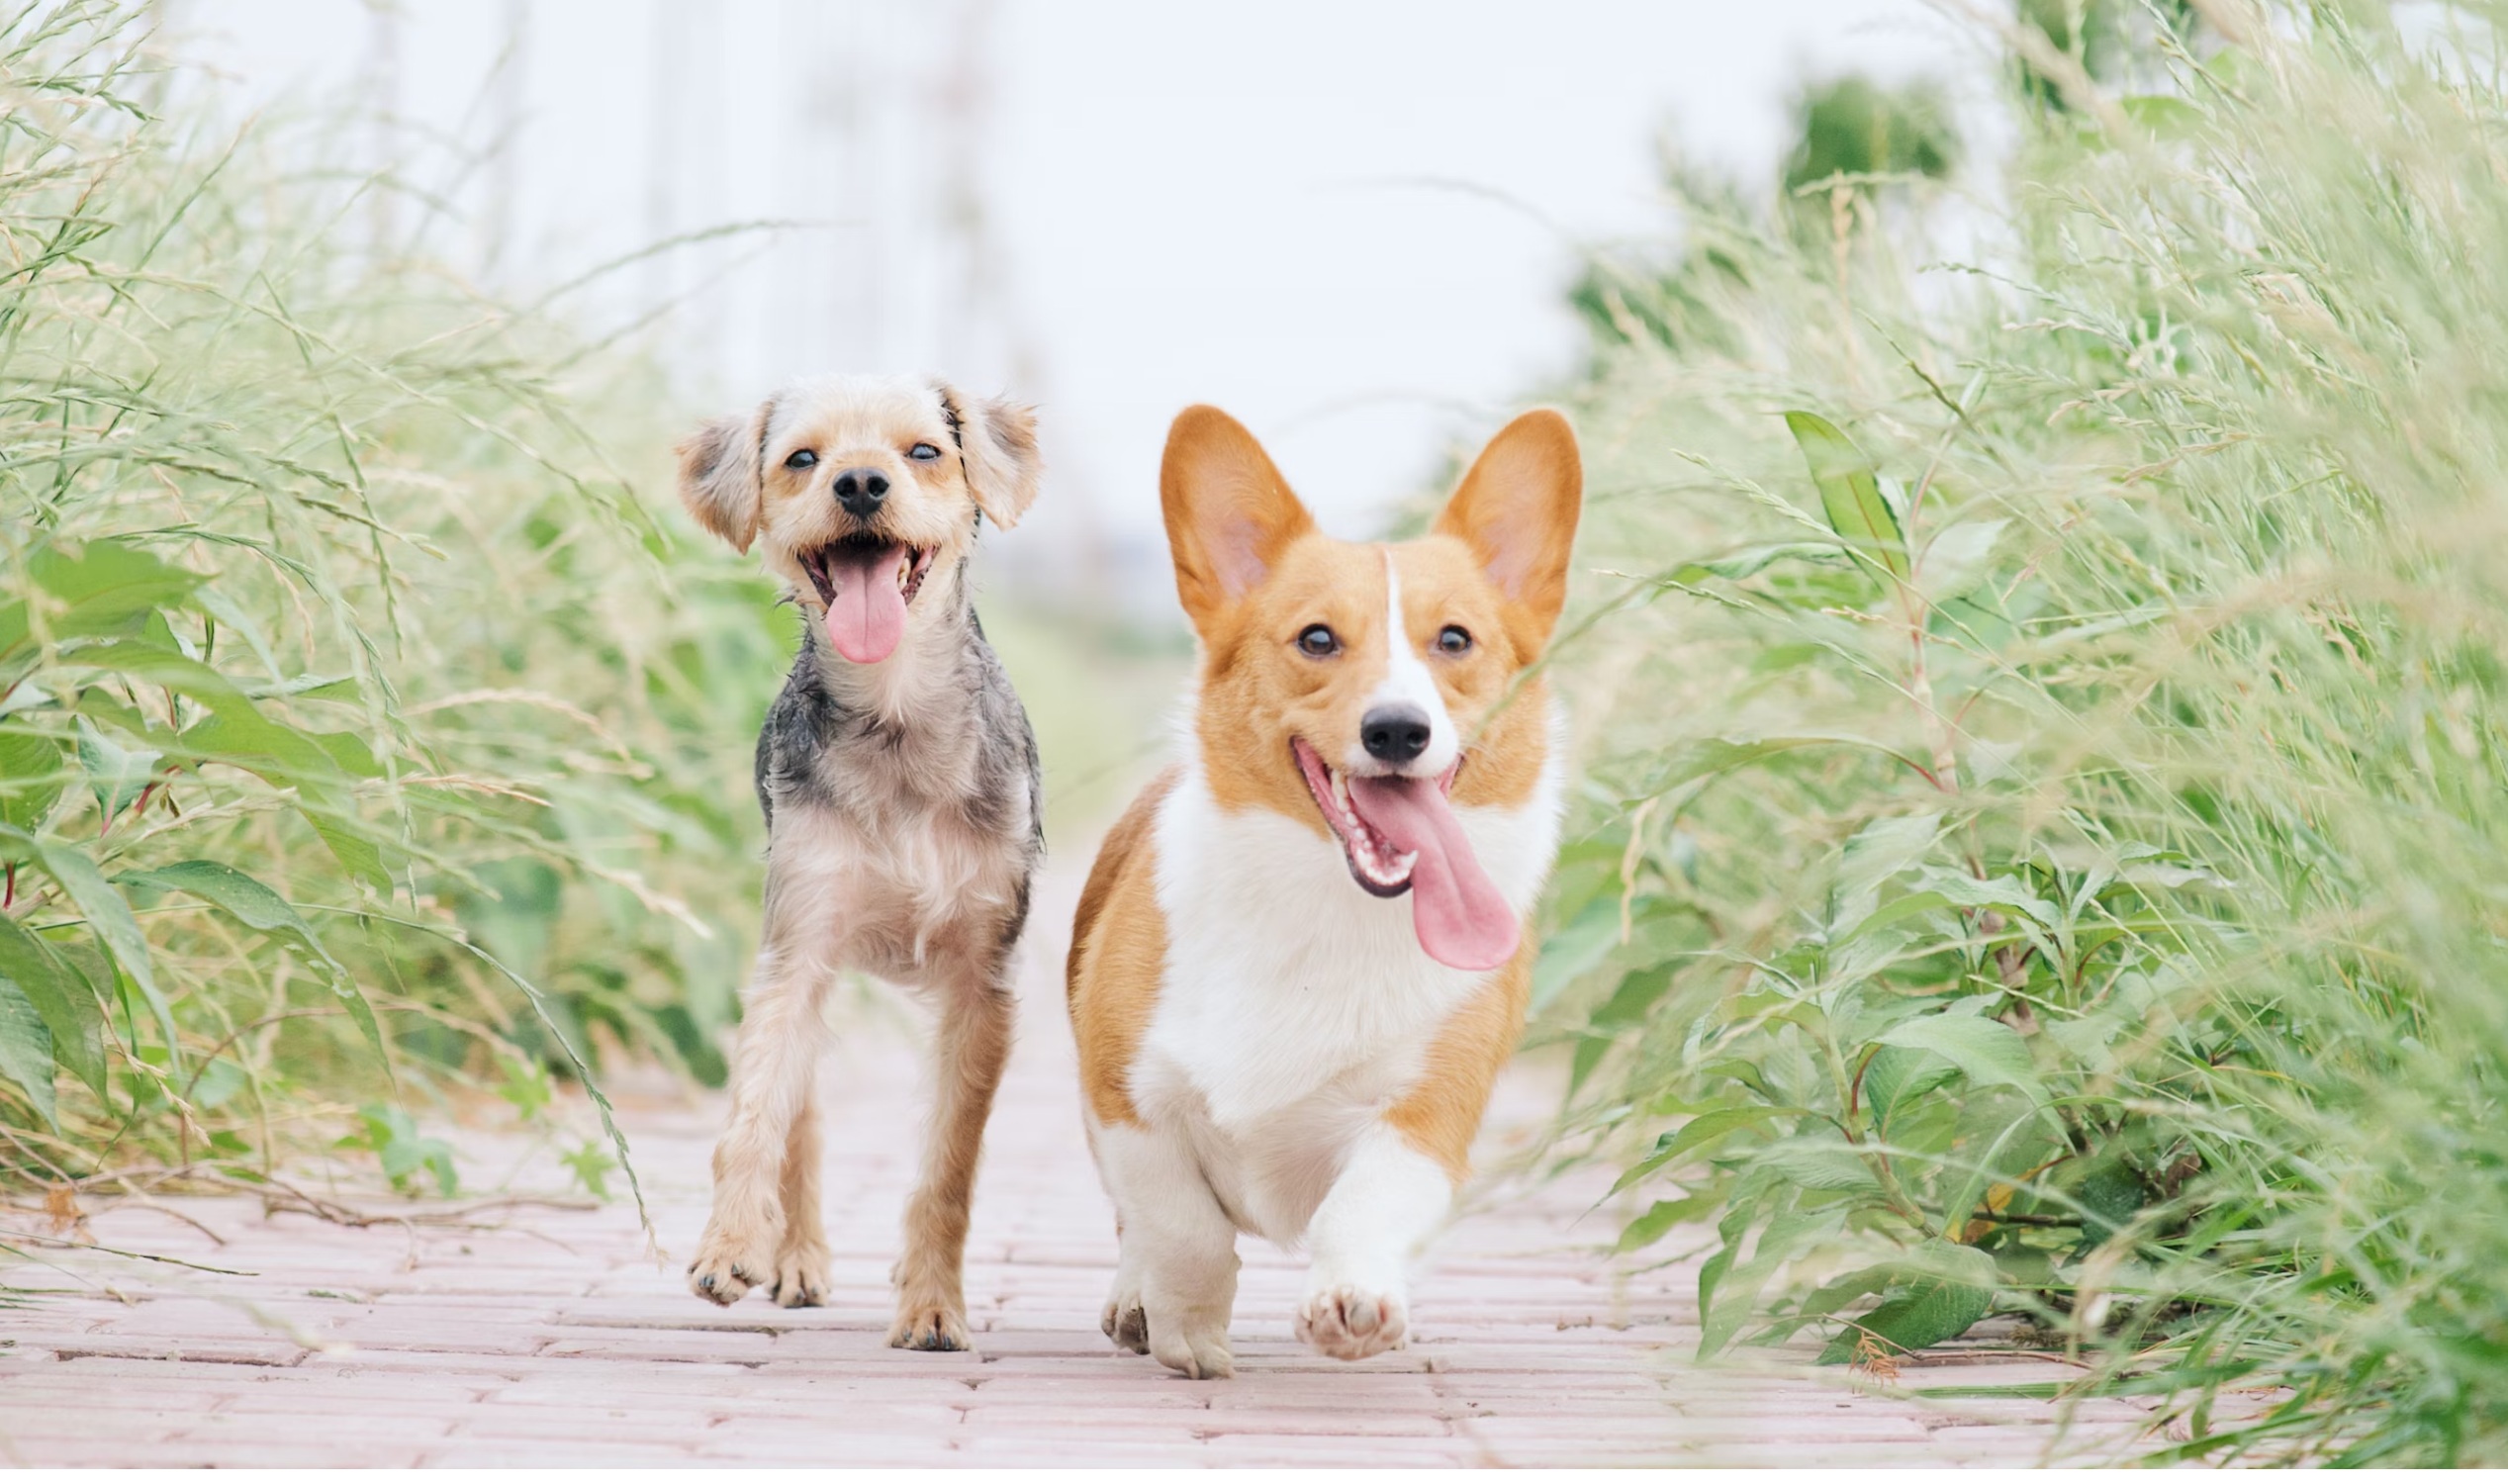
{"x": 833, "y": 567}
{"x": 865, "y": 583}
{"x": 1375, "y": 861}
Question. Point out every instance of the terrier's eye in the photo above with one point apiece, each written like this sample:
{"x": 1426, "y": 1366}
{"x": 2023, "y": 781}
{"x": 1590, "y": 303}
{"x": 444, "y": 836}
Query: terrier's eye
{"x": 1317, "y": 640}
{"x": 1453, "y": 639}
{"x": 801, "y": 458}
{"x": 923, "y": 453}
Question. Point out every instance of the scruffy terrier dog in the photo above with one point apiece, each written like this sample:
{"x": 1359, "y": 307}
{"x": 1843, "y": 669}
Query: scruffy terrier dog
{"x": 901, "y": 788}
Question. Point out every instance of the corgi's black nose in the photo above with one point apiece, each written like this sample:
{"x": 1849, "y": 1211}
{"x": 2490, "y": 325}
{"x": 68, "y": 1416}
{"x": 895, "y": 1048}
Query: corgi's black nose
{"x": 860, "y": 492}
{"x": 1394, "y": 734}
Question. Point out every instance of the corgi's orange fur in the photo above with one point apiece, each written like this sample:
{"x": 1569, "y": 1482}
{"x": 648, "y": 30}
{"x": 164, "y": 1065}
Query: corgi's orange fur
{"x": 1300, "y": 959}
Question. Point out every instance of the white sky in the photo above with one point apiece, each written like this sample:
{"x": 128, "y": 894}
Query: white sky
{"x": 1349, "y": 224}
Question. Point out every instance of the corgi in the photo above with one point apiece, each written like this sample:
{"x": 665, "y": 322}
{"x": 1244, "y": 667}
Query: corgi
{"x": 1300, "y": 958}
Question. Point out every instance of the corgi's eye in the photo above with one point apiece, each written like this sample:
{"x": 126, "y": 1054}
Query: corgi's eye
{"x": 1317, "y": 640}
{"x": 1453, "y": 639}
{"x": 799, "y": 458}
{"x": 923, "y": 453}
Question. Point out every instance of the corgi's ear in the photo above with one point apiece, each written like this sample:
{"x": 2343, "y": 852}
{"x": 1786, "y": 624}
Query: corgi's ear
{"x": 1517, "y": 510}
{"x": 1229, "y": 512}
{"x": 996, "y": 437}
{"x": 718, "y": 475}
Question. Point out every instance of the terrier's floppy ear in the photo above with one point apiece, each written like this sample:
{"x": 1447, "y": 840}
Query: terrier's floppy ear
{"x": 718, "y": 475}
{"x": 1229, "y": 512}
{"x": 996, "y": 437}
{"x": 1517, "y": 510}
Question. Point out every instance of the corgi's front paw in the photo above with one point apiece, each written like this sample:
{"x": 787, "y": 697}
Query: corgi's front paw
{"x": 730, "y": 1264}
{"x": 1194, "y": 1344}
{"x": 1125, "y": 1322}
{"x": 1349, "y": 1323}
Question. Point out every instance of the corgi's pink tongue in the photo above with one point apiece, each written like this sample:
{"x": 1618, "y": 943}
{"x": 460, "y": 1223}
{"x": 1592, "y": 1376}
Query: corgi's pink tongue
{"x": 1455, "y": 910}
{"x": 866, "y": 615}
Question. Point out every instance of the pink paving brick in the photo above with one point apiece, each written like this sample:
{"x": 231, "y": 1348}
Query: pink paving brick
{"x": 552, "y": 1336}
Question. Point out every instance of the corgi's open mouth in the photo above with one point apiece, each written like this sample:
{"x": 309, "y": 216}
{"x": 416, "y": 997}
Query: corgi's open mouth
{"x": 1400, "y": 834}
{"x": 1375, "y": 861}
{"x": 864, "y": 585}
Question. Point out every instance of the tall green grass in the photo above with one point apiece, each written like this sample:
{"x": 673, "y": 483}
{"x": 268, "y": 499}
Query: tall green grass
{"x": 358, "y": 747}
{"x": 2049, "y": 809}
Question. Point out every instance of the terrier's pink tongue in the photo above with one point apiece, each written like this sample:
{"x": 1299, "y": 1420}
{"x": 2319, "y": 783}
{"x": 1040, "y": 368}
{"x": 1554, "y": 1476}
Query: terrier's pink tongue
{"x": 1456, "y": 908}
{"x": 867, "y": 616}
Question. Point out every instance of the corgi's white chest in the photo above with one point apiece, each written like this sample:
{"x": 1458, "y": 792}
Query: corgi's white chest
{"x": 1295, "y": 1005}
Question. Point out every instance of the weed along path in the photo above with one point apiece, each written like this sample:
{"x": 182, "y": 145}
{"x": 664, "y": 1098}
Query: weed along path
{"x": 547, "y": 1334}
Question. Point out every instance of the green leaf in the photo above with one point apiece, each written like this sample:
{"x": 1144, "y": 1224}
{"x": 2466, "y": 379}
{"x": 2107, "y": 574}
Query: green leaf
{"x": 256, "y": 906}
{"x": 107, "y": 587}
{"x": 1956, "y": 559}
{"x": 26, "y": 1050}
{"x": 526, "y": 1087}
{"x": 109, "y": 919}
{"x": 1850, "y": 493}
{"x": 306, "y": 687}
{"x": 235, "y": 726}
{"x": 2164, "y": 117}
{"x": 1590, "y": 1051}
{"x": 1697, "y": 1134}
{"x": 1961, "y": 1203}
{"x": 1878, "y": 850}
{"x": 1991, "y": 1053}
{"x": 110, "y": 579}
{"x": 1933, "y": 1310}
{"x": 2007, "y": 895}
{"x": 361, "y": 856}
{"x": 116, "y": 773}
{"x": 237, "y": 895}
{"x": 1636, "y": 993}
{"x": 591, "y": 1164}
{"x": 1662, "y": 1217}
{"x": 1575, "y": 948}
{"x": 1895, "y": 911}
{"x": 1723, "y": 1311}
{"x": 1897, "y": 1076}
{"x": 32, "y": 774}
{"x": 1817, "y": 1165}
{"x": 318, "y": 765}
{"x": 61, "y": 996}
{"x": 217, "y": 1083}
{"x": 2111, "y": 1196}
{"x": 1733, "y": 1229}
{"x": 1835, "y": 1294}
{"x": 403, "y": 1153}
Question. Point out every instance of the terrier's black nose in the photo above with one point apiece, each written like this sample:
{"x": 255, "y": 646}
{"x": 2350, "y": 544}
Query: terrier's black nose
{"x": 1394, "y": 734}
{"x": 860, "y": 492}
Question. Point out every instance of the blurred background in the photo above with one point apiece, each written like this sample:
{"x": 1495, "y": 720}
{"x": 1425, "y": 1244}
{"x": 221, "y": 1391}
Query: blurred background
{"x": 1351, "y": 224}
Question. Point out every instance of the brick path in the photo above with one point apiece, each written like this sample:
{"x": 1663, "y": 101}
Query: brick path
{"x": 546, "y": 1335}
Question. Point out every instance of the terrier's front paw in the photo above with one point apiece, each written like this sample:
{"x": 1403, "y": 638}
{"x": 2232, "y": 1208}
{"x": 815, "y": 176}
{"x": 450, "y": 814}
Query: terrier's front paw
{"x": 1351, "y": 1324}
{"x": 1198, "y": 1347}
{"x": 728, "y": 1264}
{"x": 801, "y": 1276}
{"x": 927, "y": 1323}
